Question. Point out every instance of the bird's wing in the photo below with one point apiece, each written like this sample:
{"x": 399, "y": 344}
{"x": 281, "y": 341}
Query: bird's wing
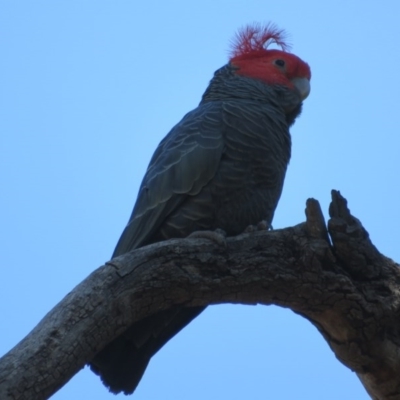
{"x": 184, "y": 162}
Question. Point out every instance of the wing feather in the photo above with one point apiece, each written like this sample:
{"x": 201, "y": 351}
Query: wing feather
{"x": 184, "y": 162}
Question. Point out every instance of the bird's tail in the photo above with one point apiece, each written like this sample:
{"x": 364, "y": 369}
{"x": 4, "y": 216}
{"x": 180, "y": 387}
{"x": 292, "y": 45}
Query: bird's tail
{"x": 121, "y": 364}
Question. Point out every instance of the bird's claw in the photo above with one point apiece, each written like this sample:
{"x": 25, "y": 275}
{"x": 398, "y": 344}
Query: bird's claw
{"x": 218, "y": 236}
{"x": 261, "y": 226}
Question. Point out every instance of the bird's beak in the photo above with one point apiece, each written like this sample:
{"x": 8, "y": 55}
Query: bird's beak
{"x": 303, "y": 86}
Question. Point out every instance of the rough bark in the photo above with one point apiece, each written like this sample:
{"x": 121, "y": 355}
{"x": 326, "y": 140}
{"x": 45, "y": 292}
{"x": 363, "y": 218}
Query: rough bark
{"x": 334, "y": 277}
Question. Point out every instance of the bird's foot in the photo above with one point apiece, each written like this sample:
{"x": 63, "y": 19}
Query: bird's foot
{"x": 218, "y": 236}
{"x": 261, "y": 226}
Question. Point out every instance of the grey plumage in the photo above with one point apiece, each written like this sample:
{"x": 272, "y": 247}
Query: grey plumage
{"x": 222, "y": 166}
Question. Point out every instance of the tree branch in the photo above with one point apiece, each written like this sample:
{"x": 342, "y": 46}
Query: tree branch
{"x": 345, "y": 287}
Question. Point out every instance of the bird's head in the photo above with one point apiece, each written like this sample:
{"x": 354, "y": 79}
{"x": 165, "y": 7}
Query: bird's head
{"x": 251, "y": 58}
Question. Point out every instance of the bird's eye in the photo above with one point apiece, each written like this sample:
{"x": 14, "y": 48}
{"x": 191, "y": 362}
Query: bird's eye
{"x": 280, "y": 63}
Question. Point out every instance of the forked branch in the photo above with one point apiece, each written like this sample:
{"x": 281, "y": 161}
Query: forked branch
{"x": 334, "y": 277}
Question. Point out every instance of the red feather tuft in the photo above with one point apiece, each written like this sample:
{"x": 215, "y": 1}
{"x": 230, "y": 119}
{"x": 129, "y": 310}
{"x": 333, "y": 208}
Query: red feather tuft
{"x": 256, "y": 38}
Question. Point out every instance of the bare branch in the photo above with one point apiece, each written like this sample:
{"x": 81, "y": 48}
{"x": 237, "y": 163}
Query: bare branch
{"x": 346, "y": 288}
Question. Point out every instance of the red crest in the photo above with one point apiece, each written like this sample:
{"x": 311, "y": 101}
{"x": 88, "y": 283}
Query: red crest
{"x": 256, "y": 38}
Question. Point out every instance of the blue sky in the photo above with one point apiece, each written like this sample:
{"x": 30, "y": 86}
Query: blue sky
{"x": 89, "y": 88}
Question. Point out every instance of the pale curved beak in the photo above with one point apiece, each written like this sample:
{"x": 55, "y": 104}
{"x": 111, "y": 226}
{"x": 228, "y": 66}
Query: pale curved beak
{"x": 303, "y": 86}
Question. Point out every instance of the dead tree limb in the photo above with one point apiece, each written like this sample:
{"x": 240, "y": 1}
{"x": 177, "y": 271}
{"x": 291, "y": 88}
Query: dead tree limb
{"x": 334, "y": 277}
